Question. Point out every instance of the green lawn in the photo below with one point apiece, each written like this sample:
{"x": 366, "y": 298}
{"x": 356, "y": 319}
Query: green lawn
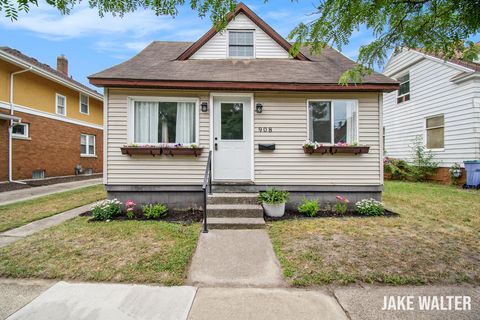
{"x": 21, "y": 213}
{"x": 436, "y": 239}
{"x": 118, "y": 251}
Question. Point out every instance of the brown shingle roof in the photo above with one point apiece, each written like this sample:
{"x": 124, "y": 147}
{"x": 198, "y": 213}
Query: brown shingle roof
{"x": 158, "y": 61}
{"x": 45, "y": 67}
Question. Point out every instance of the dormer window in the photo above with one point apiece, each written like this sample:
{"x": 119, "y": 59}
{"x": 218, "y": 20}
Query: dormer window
{"x": 240, "y": 44}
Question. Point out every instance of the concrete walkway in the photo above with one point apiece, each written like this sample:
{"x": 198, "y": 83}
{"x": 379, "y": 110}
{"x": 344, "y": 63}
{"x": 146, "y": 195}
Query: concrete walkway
{"x": 80, "y": 301}
{"x": 35, "y": 192}
{"x": 235, "y": 258}
{"x": 16, "y": 234}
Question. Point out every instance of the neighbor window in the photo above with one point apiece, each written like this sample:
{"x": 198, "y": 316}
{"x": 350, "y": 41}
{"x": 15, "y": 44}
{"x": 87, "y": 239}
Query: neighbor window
{"x": 61, "y": 107}
{"x": 240, "y": 44}
{"x": 84, "y": 104}
{"x": 87, "y": 145}
{"x": 38, "y": 174}
{"x": 404, "y": 90}
{"x": 20, "y": 130}
{"x": 435, "y": 132}
{"x": 164, "y": 122}
{"x": 333, "y": 121}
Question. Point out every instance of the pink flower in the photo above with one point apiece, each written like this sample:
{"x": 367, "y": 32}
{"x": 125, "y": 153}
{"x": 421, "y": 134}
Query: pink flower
{"x": 129, "y": 203}
{"x": 342, "y": 199}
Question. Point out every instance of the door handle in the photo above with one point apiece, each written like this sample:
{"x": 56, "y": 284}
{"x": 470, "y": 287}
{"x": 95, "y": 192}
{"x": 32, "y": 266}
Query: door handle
{"x": 216, "y": 146}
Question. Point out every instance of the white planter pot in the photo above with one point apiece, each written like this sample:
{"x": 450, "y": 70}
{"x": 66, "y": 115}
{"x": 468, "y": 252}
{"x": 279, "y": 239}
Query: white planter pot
{"x": 274, "y": 210}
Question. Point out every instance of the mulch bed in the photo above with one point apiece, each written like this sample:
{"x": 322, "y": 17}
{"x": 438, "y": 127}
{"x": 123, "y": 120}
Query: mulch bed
{"x": 294, "y": 214}
{"x": 184, "y": 216}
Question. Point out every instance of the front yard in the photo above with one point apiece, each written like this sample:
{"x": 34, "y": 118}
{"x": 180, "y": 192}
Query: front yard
{"x": 436, "y": 239}
{"x": 118, "y": 251}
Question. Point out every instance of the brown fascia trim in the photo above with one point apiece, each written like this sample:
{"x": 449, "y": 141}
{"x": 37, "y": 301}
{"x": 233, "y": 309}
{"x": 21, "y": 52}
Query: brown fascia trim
{"x": 223, "y": 85}
{"x": 242, "y": 8}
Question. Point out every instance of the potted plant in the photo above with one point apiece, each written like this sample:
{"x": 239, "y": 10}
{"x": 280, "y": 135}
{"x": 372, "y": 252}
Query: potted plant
{"x": 355, "y": 148}
{"x": 273, "y": 202}
{"x": 314, "y": 147}
{"x": 455, "y": 172}
{"x": 134, "y": 149}
{"x": 182, "y": 150}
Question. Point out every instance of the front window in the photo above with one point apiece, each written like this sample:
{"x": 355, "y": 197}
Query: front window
{"x": 240, "y": 44}
{"x": 164, "y": 122}
{"x": 61, "y": 107}
{"x": 20, "y": 130}
{"x": 87, "y": 145}
{"x": 435, "y": 132}
{"x": 404, "y": 89}
{"x": 84, "y": 107}
{"x": 333, "y": 122}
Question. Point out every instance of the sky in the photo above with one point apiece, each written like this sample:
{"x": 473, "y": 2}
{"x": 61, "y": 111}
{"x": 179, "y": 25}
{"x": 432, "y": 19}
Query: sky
{"x": 92, "y": 43}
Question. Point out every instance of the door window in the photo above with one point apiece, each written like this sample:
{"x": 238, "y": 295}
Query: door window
{"x": 231, "y": 121}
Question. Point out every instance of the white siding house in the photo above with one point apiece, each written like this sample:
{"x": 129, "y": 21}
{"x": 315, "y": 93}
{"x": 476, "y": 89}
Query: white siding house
{"x": 438, "y": 89}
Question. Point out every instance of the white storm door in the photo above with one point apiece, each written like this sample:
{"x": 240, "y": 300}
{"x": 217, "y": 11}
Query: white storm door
{"x": 232, "y": 138}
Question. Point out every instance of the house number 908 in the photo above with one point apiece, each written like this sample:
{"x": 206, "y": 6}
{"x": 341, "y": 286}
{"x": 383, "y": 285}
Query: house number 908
{"x": 265, "y": 129}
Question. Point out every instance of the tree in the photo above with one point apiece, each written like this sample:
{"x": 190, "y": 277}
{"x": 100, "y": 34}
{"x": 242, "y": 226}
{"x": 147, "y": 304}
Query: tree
{"x": 441, "y": 27}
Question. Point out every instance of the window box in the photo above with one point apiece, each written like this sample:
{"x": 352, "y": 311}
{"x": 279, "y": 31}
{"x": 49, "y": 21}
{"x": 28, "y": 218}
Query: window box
{"x": 349, "y": 149}
{"x": 154, "y": 151}
{"x": 320, "y": 149}
{"x": 182, "y": 151}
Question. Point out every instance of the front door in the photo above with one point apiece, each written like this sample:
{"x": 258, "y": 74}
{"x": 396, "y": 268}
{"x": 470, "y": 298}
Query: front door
{"x": 232, "y": 138}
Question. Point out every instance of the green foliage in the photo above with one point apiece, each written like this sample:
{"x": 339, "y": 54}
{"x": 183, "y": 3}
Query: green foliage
{"x": 273, "y": 196}
{"x": 130, "y": 214}
{"x": 309, "y": 208}
{"x": 341, "y": 207}
{"x": 423, "y": 161}
{"x": 455, "y": 173}
{"x": 399, "y": 169}
{"x": 370, "y": 207}
{"x": 106, "y": 210}
{"x": 154, "y": 211}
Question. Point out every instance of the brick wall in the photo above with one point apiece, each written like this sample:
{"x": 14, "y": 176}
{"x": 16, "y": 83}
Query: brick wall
{"x": 54, "y": 146}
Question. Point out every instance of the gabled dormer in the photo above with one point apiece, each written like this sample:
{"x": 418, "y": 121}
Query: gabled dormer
{"x": 246, "y": 36}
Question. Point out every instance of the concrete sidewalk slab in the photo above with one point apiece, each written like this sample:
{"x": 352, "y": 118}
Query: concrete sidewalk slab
{"x": 16, "y": 293}
{"x": 367, "y": 302}
{"x": 75, "y": 301}
{"x": 10, "y": 197}
{"x": 235, "y": 258}
{"x": 254, "y": 303}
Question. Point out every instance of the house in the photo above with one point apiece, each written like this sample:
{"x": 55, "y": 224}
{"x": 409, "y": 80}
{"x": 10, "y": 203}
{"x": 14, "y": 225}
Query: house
{"x": 50, "y": 124}
{"x": 239, "y": 94}
{"x": 438, "y": 100}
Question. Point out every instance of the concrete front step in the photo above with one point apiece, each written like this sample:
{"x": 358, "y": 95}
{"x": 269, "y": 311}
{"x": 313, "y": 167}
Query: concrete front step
{"x": 233, "y": 198}
{"x": 234, "y": 211}
{"x": 236, "y": 223}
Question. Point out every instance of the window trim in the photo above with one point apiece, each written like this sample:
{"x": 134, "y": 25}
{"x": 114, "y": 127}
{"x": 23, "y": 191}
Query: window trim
{"x": 409, "y": 88}
{"x": 56, "y": 104}
{"x": 80, "y": 103}
{"x": 88, "y": 155}
{"x": 332, "y": 124}
{"x": 131, "y": 115}
{"x": 25, "y": 136}
{"x": 437, "y": 127}
{"x": 254, "y": 43}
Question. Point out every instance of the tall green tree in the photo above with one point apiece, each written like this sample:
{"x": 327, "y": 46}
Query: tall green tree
{"x": 441, "y": 27}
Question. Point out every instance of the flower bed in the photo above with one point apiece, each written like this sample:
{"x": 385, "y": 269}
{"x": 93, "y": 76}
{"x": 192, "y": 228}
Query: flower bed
{"x": 349, "y": 149}
{"x": 293, "y": 214}
{"x": 319, "y": 149}
{"x": 165, "y": 149}
{"x": 310, "y": 147}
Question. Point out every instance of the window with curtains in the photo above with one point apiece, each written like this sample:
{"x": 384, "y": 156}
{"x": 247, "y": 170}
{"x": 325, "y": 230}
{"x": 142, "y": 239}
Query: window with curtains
{"x": 333, "y": 121}
{"x": 87, "y": 145}
{"x": 164, "y": 122}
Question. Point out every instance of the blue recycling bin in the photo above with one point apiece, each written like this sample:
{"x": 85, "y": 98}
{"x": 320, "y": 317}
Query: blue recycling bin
{"x": 472, "y": 167}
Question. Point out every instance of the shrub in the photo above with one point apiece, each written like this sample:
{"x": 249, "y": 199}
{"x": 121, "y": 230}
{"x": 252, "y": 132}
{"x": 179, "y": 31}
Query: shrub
{"x": 455, "y": 173}
{"x": 423, "y": 163}
{"x": 399, "y": 169}
{"x": 341, "y": 205}
{"x": 370, "y": 207}
{"x": 130, "y": 205}
{"x": 106, "y": 210}
{"x": 309, "y": 207}
{"x": 155, "y": 211}
{"x": 273, "y": 196}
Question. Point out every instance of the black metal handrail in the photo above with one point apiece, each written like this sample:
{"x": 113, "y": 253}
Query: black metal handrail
{"x": 207, "y": 183}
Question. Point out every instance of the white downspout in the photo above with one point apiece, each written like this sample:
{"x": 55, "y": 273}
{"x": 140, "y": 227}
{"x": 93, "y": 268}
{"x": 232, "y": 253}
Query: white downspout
{"x": 10, "y": 127}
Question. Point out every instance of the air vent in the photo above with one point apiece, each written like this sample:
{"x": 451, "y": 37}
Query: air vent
{"x": 38, "y": 174}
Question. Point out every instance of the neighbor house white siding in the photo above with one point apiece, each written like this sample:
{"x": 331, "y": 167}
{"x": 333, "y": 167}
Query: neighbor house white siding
{"x": 285, "y": 113}
{"x": 432, "y": 93}
{"x": 264, "y": 45}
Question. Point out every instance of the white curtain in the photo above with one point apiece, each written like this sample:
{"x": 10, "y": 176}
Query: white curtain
{"x": 146, "y": 122}
{"x": 185, "y": 127}
{"x": 351, "y": 117}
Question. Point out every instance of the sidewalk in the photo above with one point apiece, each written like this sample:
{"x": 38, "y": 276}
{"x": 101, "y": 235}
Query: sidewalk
{"x": 35, "y": 192}
{"x": 75, "y": 301}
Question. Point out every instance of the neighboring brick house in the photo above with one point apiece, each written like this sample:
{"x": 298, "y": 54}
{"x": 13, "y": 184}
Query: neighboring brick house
{"x": 57, "y": 122}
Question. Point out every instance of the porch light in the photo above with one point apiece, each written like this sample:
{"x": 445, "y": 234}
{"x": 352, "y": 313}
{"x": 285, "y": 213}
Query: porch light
{"x": 259, "y": 108}
{"x": 204, "y": 106}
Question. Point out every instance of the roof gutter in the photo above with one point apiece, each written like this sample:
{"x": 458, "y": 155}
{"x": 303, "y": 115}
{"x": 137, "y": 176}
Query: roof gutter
{"x": 48, "y": 75}
{"x": 10, "y": 127}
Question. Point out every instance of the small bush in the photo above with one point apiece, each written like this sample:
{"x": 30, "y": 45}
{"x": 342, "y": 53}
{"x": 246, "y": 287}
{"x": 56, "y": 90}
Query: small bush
{"x": 309, "y": 208}
{"x": 130, "y": 206}
{"x": 106, "y": 210}
{"x": 273, "y": 196}
{"x": 370, "y": 207}
{"x": 341, "y": 205}
{"x": 155, "y": 211}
